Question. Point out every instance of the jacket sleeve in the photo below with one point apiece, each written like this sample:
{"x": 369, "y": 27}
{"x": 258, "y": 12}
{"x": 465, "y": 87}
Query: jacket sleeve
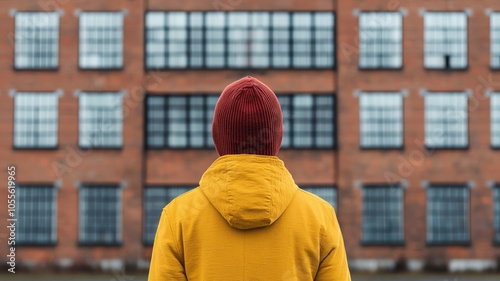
{"x": 334, "y": 265}
{"x": 167, "y": 260}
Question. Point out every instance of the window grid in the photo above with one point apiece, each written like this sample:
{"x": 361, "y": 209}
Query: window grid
{"x": 36, "y": 40}
{"x": 446, "y": 120}
{"x": 495, "y": 119}
{"x": 381, "y": 120}
{"x": 495, "y": 40}
{"x": 445, "y": 40}
{"x": 101, "y": 40}
{"x": 380, "y": 40}
{"x": 36, "y": 213}
{"x": 383, "y": 214}
{"x": 239, "y": 40}
{"x": 35, "y": 120}
{"x": 448, "y": 214}
{"x": 180, "y": 121}
{"x": 328, "y": 193}
{"x": 308, "y": 120}
{"x": 496, "y": 202}
{"x": 155, "y": 199}
{"x": 100, "y": 120}
{"x": 100, "y": 215}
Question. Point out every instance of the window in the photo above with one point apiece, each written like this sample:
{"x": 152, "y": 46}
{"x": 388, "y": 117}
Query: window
{"x": 101, "y": 40}
{"x": 36, "y": 215}
{"x": 100, "y": 215}
{"x": 380, "y": 40}
{"x": 496, "y": 202}
{"x": 448, "y": 214}
{"x": 328, "y": 193}
{"x": 446, "y": 120}
{"x": 495, "y": 39}
{"x": 308, "y": 121}
{"x": 35, "y": 120}
{"x": 239, "y": 40}
{"x": 180, "y": 121}
{"x": 36, "y": 40}
{"x": 381, "y": 120}
{"x": 100, "y": 120}
{"x": 445, "y": 40}
{"x": 495, "y": 120}
{"x": 155, "y": 198}
{"x": 383, "y": 214}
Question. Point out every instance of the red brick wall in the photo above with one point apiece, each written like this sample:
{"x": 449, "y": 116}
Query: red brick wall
{"x": 344, "y": 166}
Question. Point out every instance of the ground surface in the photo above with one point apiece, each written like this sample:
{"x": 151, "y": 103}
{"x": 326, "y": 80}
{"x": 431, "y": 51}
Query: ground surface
{"x": 143, "y": 277}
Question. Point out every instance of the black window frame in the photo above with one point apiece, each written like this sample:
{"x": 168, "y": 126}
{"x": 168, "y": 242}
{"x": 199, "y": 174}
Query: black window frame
{"x": 36, "y": 218}
{"x": 287, "y": 117}
{"x": 496, "y": 214}
{"x": 152, "y": 213}
{"x": 290, "y": 114}
{"x": 36, "y": 121}
{"x": 314, "y": 60}
{"x": 19, "y": 35}
{"x": 101, "y": 67}
{"x": 86, "y": 221}
{"x": 207, "y": 108}
{"x": 446, "y": 50}
{"x": 382, "y": 221}
{"x": 381, "y": 118}
{"x": 466, "y": 230}
{"x": 380, "y": 40}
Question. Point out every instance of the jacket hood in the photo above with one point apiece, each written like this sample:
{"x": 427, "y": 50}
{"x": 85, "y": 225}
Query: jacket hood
{"x": 248, "y": 190}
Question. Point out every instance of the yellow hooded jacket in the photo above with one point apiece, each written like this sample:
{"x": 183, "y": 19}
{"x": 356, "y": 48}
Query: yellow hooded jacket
{"x": 248, "y": 220}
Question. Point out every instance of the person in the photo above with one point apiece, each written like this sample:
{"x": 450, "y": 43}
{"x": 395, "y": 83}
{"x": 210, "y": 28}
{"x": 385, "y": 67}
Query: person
{"x": 247, "y": 219}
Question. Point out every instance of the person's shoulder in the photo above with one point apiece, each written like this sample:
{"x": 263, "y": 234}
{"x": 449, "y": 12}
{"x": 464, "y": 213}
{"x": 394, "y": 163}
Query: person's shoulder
{"x": 314, "y": 201}
{"x": 186, "y": 203}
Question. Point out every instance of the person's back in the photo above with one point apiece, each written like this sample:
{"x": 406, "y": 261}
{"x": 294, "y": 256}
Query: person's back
{"x": 248, "y": 220}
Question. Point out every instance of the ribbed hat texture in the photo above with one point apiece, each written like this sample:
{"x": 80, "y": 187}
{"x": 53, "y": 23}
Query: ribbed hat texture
{"x": 247, "y": 119}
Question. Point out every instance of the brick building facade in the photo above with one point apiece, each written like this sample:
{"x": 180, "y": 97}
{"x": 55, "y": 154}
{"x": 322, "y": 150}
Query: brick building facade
{"x": 391, "y": 114}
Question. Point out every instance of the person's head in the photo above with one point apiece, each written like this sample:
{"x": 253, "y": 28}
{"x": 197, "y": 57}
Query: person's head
{"x": 247, "y": 119}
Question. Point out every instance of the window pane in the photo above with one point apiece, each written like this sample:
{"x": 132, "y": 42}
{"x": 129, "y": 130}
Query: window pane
{"x": 239, "y": 40}
{"x": 445, "y": 40}
{"x": 383, "y": 214}
{"x": 175, "y": 121}
{"x": 100, "y": 120}
{"x": 496, "y": 202}
{"x": 381, "y": 120}
{"x": 495, "y": 119}
{"x": 35, "y": 120}
{"x": 36, "y": 215}
{"x": 37, "y": 40}
{"x": 380, "y": 40}
{"x": 448, "y": 214}
{"x": 446, "y": 120}
{"x": 101, "y": 40}
{"x": 100, "y": 215}
{"x": 495, "y": 39}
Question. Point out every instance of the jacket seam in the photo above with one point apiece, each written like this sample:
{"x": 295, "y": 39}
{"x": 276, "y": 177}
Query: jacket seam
{"x": 174, "y": 238}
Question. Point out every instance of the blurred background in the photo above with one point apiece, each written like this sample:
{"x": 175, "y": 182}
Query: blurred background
{"x": 391, "y": 113}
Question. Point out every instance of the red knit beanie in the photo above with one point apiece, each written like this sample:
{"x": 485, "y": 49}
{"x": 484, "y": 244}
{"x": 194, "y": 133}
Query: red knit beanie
{"x": 247, "y": 119}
